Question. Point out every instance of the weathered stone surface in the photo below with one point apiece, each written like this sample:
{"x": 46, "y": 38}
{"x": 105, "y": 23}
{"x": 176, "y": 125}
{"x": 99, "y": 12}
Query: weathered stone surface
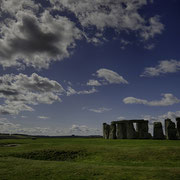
{"x": 167, "y": 122}
{"x": 121, "y": 131}
{"x": 178, "y": 127}
{"x": 112, "y": 133}
{"x": 106, "y": 130}
{"x": 172, "y": 131}
{"x": 133, "y": 121}
{"x": 158, "y": 131}
{"x": 142, "y": 130}
{"x": 131, "y": 133}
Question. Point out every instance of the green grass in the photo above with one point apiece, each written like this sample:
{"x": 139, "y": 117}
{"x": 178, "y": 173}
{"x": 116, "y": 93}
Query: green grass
{"x": 78, "y": 158}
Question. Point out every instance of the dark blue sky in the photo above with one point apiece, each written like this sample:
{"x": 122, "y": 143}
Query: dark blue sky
{"x": 130, "y": 48}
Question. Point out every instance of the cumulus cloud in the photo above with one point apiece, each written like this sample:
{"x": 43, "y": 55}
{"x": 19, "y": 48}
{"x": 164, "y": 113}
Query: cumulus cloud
{"x": 6, "y": 126}
{"x": 98, "y": 110}
{"x": 83, "y": 130}
{"x": 32, "y": 34}
{"x": 155, "y": 27}
{"x": 35, "y": 40}
{"x": 13, "y": 6}
{"x": 167, "y": 100}
{"x": 93, "y": 82}
{"x": 164, "y": 67}
{"x": 70, "y": 91}
{"x": 110, "y": 76}
{"x": 20, "y": 91}
{"x": 160, "y": 118}
{"x": 120, "y": 15}
{"x": 121, "y": 118}
{"x": 43, "y": 117}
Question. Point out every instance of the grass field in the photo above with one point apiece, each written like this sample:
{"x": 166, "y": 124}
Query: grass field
{"x": 83, "y": 158}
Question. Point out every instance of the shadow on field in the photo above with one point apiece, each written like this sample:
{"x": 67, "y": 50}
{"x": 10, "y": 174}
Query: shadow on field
{"x": 52, "y": 155}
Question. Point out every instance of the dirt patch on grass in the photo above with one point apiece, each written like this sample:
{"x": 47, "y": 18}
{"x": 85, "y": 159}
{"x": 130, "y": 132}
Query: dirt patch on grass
{"x": 53, "y": 155}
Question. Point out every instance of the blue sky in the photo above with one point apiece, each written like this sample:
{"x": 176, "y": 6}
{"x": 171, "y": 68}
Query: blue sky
{"x": 68, "y": 66}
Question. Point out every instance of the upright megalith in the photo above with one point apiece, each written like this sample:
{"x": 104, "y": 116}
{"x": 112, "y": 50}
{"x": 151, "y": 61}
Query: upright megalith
{"x": 178, "y": 127}
{"x": 124, "y": 129}
{"x": 142, "y": 130}
{"x": 158, "y": 131}
{"x": 170, "y": 129}
{"x": 106, "y": 130}
{"x": 130, "y": 130}
{"x": 112, "y": 133}
{"x": 166, "y": 124}
{"x": 121, "y": 131}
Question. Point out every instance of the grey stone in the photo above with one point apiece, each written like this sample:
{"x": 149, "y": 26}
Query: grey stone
{"x": 106, "y": 130}
{"x": 158, "y": 131}
{"x": 178, "y": 127}
{"x": 167, "y": 122}
{"x": 112, "y": 134}
{"x": 142, "y": 130}
{"x": 121, "y": 131}
{"x": 133, "y": 121}
{"x": 172, "y": 131}
{"x": 131, "y": 133}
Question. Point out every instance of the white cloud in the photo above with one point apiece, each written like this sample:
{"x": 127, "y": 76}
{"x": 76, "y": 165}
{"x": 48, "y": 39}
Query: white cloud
{"x": 71, "y": 91}
{"x": 20, "y": 91}
{"x": 160, "y": 118}
{"x": 110, "y": 76}
{"x": 124, "y": 43}
{"x": 23, "y": 116}
{"x": 155, "y": 27}
{"x": 31, "y": 36}
{"x": 83, "y": 130}
{"x": 119, "y": 15}
{"x": 34, "y": 40}
{"x": 93, "y": 82}
{"x": 13, "y": 6}
{"x": 43, "y": 117}
{"x": 8, "y": 127}
{"x": 149, "y": 46}
{"x": 164, "y": 67}
{"x": 98, "y": 110}
{"x": 121, "y": 118}
{"x": 167, "y": 100}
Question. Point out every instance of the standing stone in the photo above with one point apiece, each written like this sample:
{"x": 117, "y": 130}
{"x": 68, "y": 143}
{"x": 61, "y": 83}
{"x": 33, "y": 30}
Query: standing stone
{"x": 178, "y": 127}
{"x": 167, "y": 122}
{"x": 112, "y": 133}
{"x": 142, "y": 130}
{"x": 131, "y": 133}
{"x": 158, "y": 131}
{"x": 106, "y": 129}
{"x": 172, "y": 131}
{"x": 121, "y": 131}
